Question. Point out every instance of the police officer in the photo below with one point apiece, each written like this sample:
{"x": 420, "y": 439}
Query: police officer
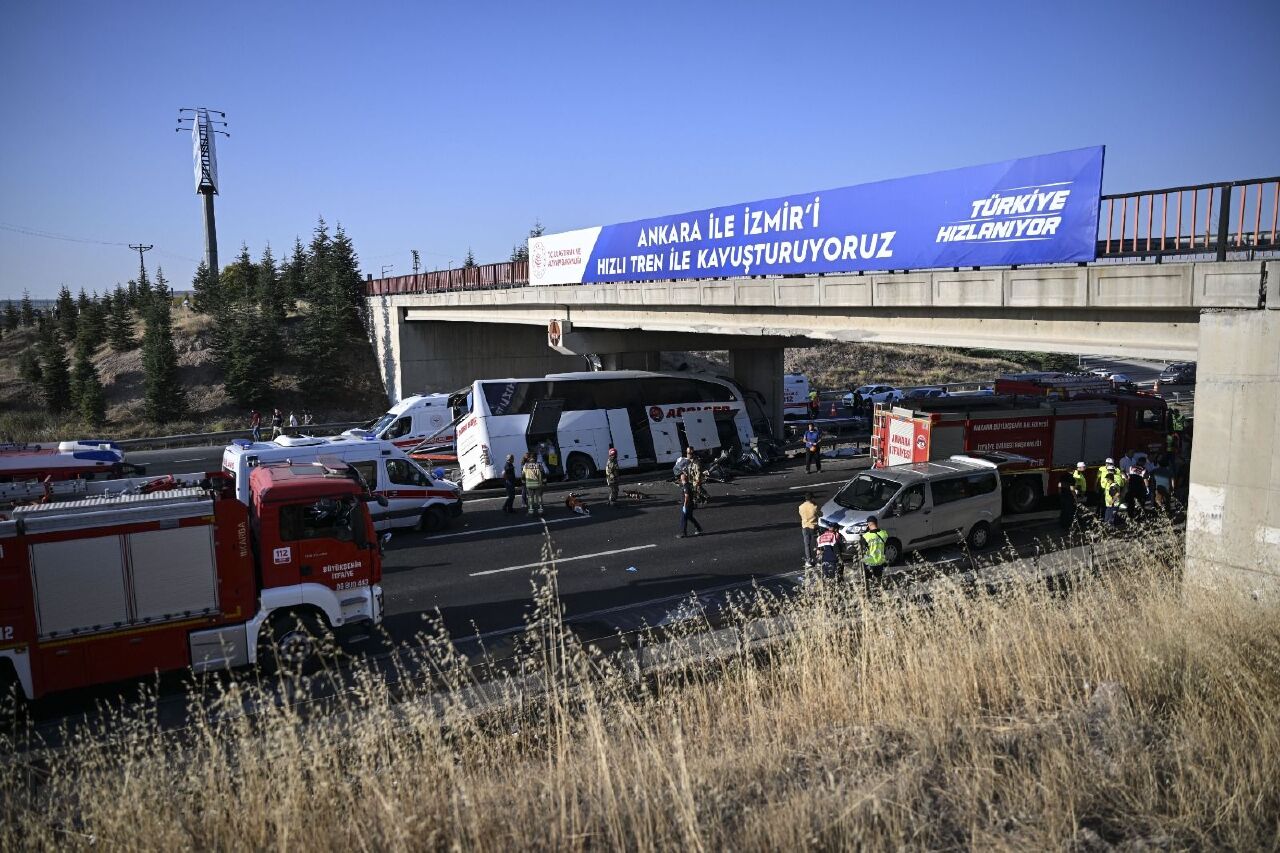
{"x": 873, "y": 557}
{"x": 830, "y": 548}
{"x": 812, "y": 448}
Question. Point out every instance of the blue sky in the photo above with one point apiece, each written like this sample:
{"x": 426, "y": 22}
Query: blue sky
{"x": 446, "y": 126}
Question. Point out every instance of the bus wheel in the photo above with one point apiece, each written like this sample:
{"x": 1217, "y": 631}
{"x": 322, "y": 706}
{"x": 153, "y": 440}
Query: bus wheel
{"x": 580, "y": 467}
{"x": 1022, "y": 496}
{"x": 433, "y": 520}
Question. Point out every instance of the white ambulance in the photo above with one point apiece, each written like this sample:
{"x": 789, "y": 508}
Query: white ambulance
{"x": 411, "y": 421}
{"x": 415, "y": 497}
{"x": 795, "y": 396}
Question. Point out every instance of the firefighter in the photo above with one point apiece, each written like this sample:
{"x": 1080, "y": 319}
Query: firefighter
{"x": 1104, "y": 476}
{"x": 830, "y": 550}
{"x": 1080, "y": 487}
{"x": 611, "y": 475}
{"x": 813, "y": 404}
{"x": 873, "y": 558}
{"x": 534, "y": 480}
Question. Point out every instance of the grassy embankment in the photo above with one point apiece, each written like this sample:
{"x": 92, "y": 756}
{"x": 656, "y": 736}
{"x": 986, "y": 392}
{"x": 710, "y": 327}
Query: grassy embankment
{"x": 1126, "y": 712}
{"x": 23, "y": 416}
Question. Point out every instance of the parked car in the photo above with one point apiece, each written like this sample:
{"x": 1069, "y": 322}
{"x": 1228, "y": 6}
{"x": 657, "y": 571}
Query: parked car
{"x": 922, "y": 505}
{"x": 874, "y": 393}
{"x": 1178, "y": 373}
{"x": 1121, "y": 380}
{"x": 927, "y": 392}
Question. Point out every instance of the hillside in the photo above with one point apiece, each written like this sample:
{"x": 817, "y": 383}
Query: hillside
{"x": 23, "y": 416}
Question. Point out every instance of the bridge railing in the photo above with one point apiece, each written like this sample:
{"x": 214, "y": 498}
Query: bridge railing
{"x": 1219, "y": 219}
{"x": 1225, "y": 219}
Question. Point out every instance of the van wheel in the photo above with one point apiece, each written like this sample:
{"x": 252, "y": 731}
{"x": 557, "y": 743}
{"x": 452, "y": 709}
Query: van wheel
{"x": 580, "y": 467}
{"x": 433, "y": 520}
{"x": 979, "y": 536}
{"x": 1023, "y": 495}
{"x": 293, "y": 642}
{"x": 892, "y": 552}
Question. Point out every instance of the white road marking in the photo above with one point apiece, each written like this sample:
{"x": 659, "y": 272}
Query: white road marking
{"x": 184, "y": 461}
{"x": 815, "y": 485}
{"x": 508, "y": 527}
{"x": 559, "y": 560}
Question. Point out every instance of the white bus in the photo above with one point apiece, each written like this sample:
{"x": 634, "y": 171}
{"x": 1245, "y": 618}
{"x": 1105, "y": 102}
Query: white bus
{"x": 649, "y": 418}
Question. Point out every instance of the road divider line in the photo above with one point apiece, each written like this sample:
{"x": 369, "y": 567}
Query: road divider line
{"x": 559, "y": 560}
{"x": 508, "y": 527}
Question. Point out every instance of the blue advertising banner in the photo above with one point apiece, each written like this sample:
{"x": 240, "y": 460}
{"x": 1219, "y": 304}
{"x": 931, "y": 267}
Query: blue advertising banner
{"x": 1032, "y": 210}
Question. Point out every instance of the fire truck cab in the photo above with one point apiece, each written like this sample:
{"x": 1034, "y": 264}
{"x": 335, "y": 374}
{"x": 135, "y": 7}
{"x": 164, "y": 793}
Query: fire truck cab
{"x": 102, "y": 589}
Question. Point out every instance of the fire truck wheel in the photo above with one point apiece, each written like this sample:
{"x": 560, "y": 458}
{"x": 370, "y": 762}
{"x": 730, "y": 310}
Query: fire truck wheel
{"x": 1023, "y": 495}
{"x": 293, "y": 642}
{"x": 580, "y": 467}
{"x": 892, "y": 552}
{"x": 433, "y": 520}
{"x": 979, "y": 536}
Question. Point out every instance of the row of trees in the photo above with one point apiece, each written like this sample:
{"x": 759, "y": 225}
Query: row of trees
{"x": 86, "y": 323}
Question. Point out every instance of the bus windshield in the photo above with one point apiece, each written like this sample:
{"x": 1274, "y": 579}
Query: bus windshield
{"x": 867, "y": 493}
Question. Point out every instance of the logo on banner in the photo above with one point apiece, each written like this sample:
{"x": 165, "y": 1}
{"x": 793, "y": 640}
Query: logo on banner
{"x": 538, "y": 260}
{"x": 920, "y": 442}
{"x": 655, "y": 413}
{"x": 553, "y": 332}
{"x": 281, "y": 556}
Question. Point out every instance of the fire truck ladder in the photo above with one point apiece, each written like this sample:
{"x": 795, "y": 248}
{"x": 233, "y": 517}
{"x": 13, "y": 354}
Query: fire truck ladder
{"x": 879, "y": 419}
{"x": 33, "y": 491}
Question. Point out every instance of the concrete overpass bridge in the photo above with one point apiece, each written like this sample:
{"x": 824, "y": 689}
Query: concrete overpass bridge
{"x": 1210, "y": 295}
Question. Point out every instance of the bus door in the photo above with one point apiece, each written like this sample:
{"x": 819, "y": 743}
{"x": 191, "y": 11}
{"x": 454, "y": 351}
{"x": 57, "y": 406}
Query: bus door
{"x": 544, "y": 423}
{"x": 622, "y": 437}
{"x": 666, "y": 435}
{"x": 700, "y": 430}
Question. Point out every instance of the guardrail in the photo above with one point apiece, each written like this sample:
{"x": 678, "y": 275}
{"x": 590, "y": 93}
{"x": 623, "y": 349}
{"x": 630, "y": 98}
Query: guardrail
{"x": 1247, "y": 221}
{"x": 199, "y": 439}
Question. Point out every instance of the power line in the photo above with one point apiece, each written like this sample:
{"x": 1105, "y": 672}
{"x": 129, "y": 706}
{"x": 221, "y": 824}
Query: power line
{"x": 50, "y": 235}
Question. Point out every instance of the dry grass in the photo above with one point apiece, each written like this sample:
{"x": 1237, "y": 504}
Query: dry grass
{"x": 977, "y": 723}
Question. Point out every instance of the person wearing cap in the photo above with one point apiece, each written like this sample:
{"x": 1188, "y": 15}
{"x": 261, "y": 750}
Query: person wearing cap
{"x": 1104, "y": 479}
{"x": 611, "y": 475}
{"x": 1080, "y": 487}
{"x": 830, "y": 546}
{"x": 509, "y": 480}
{"x": 873, "y": 558}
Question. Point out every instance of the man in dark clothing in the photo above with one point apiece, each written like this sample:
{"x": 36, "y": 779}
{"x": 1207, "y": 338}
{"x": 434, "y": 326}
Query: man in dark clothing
{"x": 611, "y": 475}
{"x": 686, "y": 508}
{"x": 1066, "y": 504}
{"x": 509, "y": 483}
{"x": 1136, "y": 493}
{"x": 812, "y": 448}
{"x": 830, "y": 548}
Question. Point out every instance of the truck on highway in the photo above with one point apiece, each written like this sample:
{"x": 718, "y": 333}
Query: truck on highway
{"x": 649, "y": 418}
{"x": 1053, "y": 429}
{"x": 100, "y": 589}
{"x": 66, "y": 460}
{"x": 415, "y": 497}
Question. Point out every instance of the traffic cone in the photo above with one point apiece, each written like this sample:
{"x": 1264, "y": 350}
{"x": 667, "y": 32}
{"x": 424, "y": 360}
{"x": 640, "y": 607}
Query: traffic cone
{"x": 833, "y": 408}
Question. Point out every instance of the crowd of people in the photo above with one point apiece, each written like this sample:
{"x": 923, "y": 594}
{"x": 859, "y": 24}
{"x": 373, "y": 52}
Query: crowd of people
{"x": 279, "y": 424}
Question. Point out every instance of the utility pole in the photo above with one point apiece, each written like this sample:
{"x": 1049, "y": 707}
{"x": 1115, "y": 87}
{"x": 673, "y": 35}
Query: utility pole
{"x": 203, "y": 130}
{"x": 386, "y": 268}
{"x": 417, "y": 261}
{"x": 142, "y": 266}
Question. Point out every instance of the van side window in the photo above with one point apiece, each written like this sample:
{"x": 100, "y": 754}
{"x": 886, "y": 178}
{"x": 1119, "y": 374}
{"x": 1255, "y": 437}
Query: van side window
{"x": 951, "y": 489}
{"x": 401, "y": 472}
{"x": 981, "y": 484}
{"x": 368, "y": 472}
{"x": 401, "y": 427}
{"x": 911, "y": 499}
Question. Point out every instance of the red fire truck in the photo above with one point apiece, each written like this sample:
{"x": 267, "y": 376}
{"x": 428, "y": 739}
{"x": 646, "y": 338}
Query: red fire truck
{"x": 66, "y": 460}
{"x": 99, "y": 589}
{"x": 1052, "y": 425}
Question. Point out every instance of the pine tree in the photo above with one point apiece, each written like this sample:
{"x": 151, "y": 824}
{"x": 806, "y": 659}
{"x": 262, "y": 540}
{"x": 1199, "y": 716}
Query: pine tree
{"x": 162, "y": 289}
{"x": 120, "y": 323}
{"x": 65, "y": 312}
{"x": 145, "y": 293}
{"x": 29, "y": 370}
{"x": 165, "y": 399}
{"x": 11, "y": 318}
{"x": 204, "y": 290}
{"x": 132, "y": 295}
{"x": 294, "y": 277}
{"x": 27, "y": 315}
{"x": 87, "y": 394}
{"x": 55, "y": 380}
{"x": 520, "y": 251}
{"x": 469, "y": 261}
{"x": 93, "y": 322}
{"x": 82, "y": 303}
{"x": 349, "y": 286}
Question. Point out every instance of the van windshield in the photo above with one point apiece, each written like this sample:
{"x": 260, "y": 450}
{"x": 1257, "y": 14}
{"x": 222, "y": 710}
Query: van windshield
{"x": 867, "y": 493}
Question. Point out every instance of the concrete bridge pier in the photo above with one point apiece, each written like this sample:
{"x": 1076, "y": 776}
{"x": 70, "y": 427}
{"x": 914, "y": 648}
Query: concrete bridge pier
{"x": 645, "y": 360}
{"x": 1233, "y": 516}
{"x": 760, "y": 369}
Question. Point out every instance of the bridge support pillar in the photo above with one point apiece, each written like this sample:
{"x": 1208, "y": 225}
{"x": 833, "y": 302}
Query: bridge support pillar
{"x": 647, "y": 360}
{"x": 1233, "y": 517}
{"x": 761, "y": 370}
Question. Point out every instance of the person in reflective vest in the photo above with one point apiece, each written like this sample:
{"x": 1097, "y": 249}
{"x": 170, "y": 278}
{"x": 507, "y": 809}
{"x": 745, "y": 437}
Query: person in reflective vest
{"x": 534, "y": 480}
{"x": 1080, "y": 488}
{"x": 873, "y": 558}
{"x": 830, "y": 547}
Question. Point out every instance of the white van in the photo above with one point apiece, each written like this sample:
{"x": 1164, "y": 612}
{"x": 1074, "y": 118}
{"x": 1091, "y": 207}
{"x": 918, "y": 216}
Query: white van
{"x": 795, "y": 396}
{"x": 921, "y": 505}
{"x": 415, "y": 498}
{"x": 412, "y": 420}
